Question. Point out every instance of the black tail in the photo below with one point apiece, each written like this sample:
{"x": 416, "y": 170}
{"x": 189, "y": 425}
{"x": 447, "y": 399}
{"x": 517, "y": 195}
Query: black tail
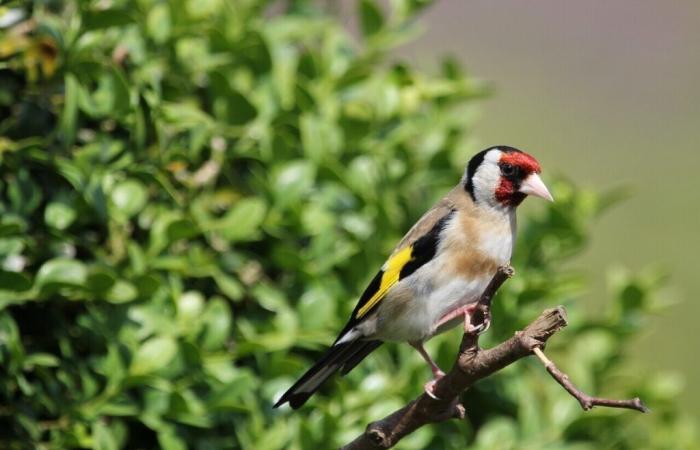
{"x": 343, "y": 357}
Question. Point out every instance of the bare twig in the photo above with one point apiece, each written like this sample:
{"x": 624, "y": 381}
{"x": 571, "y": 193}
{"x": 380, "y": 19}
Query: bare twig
{"x": 587, "y": 402}
{"x": 473, "y": 364}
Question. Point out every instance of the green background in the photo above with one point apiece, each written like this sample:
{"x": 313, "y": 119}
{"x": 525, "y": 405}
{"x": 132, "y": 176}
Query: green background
{"x": 193, "y": 194}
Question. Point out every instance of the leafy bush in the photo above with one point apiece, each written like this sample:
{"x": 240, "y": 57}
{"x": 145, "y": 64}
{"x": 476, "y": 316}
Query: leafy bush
{"x": 193, "y": 193}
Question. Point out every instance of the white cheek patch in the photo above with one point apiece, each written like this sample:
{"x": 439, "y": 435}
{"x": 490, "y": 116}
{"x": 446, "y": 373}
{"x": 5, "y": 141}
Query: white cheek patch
{"x": 486, "y": 179}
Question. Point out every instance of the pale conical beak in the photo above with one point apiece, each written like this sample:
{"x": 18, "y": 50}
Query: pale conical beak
{"x": 533, "y": 185}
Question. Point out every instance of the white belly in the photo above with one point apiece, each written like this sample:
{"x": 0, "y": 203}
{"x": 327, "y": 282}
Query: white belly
{"x": 415, "y": 305}
{"x": 412, "y": 312}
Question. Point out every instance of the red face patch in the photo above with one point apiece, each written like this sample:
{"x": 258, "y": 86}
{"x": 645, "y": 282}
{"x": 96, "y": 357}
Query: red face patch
{"x": 527, "y": 163}
{"x": 507, "y": 194}
{"x": 504, "y": 190}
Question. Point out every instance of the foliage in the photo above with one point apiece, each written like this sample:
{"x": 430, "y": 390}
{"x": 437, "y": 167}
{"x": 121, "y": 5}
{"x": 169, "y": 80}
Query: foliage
{"x": 193, "y": 193}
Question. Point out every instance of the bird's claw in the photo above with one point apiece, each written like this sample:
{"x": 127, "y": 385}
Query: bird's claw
{"x": 479, "y": 328}
{"x": 429, "y": 387}
{"x": 482, "y": 327}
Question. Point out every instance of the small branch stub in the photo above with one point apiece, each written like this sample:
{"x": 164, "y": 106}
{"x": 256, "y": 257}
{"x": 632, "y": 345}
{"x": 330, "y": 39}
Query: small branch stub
{"x": 473, "y": 364}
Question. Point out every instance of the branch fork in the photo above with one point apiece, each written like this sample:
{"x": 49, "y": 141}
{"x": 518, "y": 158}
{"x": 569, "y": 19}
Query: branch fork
{"x": 472, "y": 364}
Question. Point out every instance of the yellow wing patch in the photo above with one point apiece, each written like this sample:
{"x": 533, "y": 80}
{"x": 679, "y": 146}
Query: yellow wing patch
{"x": 392, "y": 270}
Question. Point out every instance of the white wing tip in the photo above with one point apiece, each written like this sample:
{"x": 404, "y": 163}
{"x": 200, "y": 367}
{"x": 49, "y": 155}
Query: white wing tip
{"x": 348, "y": 337}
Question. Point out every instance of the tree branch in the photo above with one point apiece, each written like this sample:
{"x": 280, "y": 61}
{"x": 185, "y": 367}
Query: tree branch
{"x": 473, "y": 364}
{"x": 587, "y": 402}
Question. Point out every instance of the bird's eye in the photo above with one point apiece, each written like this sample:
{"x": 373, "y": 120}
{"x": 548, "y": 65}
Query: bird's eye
{"x": 507, "y": 169}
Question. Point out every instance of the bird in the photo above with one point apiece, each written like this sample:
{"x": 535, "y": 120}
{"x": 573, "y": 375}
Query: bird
{"x": 437, "y": 272}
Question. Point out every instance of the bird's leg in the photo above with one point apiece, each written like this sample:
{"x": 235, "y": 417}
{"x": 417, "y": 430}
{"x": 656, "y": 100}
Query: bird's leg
{"x": 483, "y": 315}
{"x": 437, "y": 372}
{"x": 468, "y": 327}
{"x": 467, "y": 312}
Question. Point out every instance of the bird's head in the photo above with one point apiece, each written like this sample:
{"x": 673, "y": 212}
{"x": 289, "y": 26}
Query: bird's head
{"x": 503, "y": 176}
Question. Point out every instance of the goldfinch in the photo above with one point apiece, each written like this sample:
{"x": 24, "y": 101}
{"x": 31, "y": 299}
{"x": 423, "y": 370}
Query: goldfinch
{"x": 437, "y": 272}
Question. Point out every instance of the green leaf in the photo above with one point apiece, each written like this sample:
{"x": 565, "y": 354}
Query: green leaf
{"x": 62, "y": 271}
{"x": 129, "y": 197}
{"x": 110, "y": 98}
{"x": 371, "y": 17}
{"x": 69, "y": 116}
{"x": 316, "y": 308}
{"x": 41, "y": 359}
{"x": 112, "y": 17}
{"x": 229, "y": 286}
{"x": 293, "y": 180}
{"x": 121, "y": 292}
{"x": 14, "y": 281}
{"x": 217, "y": 323}
{"x": 24, "y": 193}
{"x": 168, "y": 440}
{"x": 100, "y": 280}
{"x": 10, "y": 226}
{"x": 59, "y": 215}
{"x": 181, "y": 229}
{"x": 189, "y": 309}
{"x": 240, "y": 109}
{"x": 103, "y": 437}
{"x": 242, "y": 222}
{"x": 320, "y": 137}
{"x": 153, "y": 355}
{"x": 230, "y": 396}
{"x": 186, "y": 116}
{"x": 168, "y": 227}
{"x": 158, "y": 22}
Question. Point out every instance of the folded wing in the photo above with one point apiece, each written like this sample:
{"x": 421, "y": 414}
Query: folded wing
{"x": 417, "y": 248}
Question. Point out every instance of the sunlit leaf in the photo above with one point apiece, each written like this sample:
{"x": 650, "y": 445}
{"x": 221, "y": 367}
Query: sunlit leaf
{"x": 243, "y": 221}
{"x": 59, "y": 215}
{"x": 121, "y": 292}
{"x": 158, "y": 22}
{"x": 103, "y": 437}
{"x": 217, "y": 323}
{"x": 129, "y": 197}
{"x": 62, "y": 271}
{"x": 70, "y": 109}
{"x": 153, "y": 355}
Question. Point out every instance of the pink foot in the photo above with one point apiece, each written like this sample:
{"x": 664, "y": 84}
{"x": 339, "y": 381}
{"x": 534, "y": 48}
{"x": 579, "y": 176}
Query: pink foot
{"x": 465, "y": 311}
{"x": 468, "y": 327}
{"x": 429, "y": 387}
{"x": 480, "y": 328}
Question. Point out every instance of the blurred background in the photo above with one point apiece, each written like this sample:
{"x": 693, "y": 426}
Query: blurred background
{"x": 604, "y": 93}
{"x": 193, "y": 193}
